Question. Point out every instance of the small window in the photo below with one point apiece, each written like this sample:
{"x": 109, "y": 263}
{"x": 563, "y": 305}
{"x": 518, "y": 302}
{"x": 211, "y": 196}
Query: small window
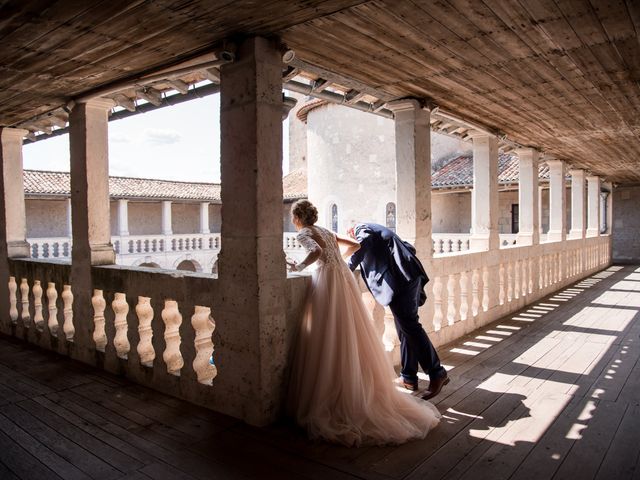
{"x": 334, "y": 217}
{"x": 391, "y": 216}
{"x": 515, "y": 218}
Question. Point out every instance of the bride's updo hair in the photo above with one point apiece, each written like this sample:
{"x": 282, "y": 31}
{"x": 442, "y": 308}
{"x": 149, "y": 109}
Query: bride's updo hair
{"x": 304, "y": 211}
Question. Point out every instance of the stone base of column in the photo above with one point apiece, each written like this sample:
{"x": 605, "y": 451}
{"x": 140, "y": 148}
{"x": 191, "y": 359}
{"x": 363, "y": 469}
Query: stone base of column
{"x": 525, "y": 239}
{"x": 102, "y": 255}
{"x": 484, "y": 241}
{"x": 555, "y": 236}
{"x": 593, "y": 232}
{"x": 574, "y": 234}
{"x": 19, "y": 249}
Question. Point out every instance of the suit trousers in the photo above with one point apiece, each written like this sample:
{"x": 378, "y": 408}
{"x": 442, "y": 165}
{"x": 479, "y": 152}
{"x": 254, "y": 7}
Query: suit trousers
{"x": 415, "y": 346}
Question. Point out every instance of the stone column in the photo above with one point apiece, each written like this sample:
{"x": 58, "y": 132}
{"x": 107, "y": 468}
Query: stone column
{"x": 13, "y": 226}
{"x": 123, "y": 217}
{"x": 69, "y": 220}
{"x": 540, "y": 190}
{"x": 88, "y": 142}
{"x": 167, "y": 228}
{"x": 607, "y": 214}
{"x": 204, "y": 217}
{"x": 252, "y": 274}
{"x": 578, "y": 227}
{"x": 484, "y": 197}
{"x": 604, "y": 195}
{"x": 528, "y": 197}
{"x": 413, "y": 175}
{"x": 593, "y": 203}
{"x": 557, "y": 201}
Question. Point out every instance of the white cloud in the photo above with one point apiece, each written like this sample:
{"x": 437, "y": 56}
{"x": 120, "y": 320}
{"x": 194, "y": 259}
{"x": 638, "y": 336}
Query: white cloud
{"x": 156, "y": 136}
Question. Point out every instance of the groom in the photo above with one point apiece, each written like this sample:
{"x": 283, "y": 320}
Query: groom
{"x": 395, "y": 277}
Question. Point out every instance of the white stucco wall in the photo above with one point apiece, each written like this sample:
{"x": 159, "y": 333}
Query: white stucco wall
{"x": 626, "y": 224}
{"x": 350, "y": 163}
{"x": 145, "y": 218}
{"x": 451, "y": 212}
{"x": 46, "y": 218}
{"x": 185, "y": 217}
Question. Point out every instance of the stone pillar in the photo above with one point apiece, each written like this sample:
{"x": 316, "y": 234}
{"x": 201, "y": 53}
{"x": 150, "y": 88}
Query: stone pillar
{"x": 540, "y": 190}
{"x": 69, "y": 219}
{"x": 484, "y": 197}
{"x": 252, "y": 273}
{"x": 607, "y": 214}
{"x": 578, "y": 227}
{"x": 557, "y": 201}
{"x": 528, "y": 197}
{"x": 15, "y": 221}
{"x": 123, "y": 217}
{"x": 204, "y": 217}
{"x": 413, "y": 175}
{"x": 88, "y": 142}
{"x": 604, "y": 195}
{"x": 13, "y": 226}
{"x": 593, "y": 205}
{"x": 167, "y": 228}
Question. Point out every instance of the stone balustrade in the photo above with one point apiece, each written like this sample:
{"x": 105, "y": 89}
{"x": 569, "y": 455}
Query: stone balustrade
{"x": 157, "y": 328}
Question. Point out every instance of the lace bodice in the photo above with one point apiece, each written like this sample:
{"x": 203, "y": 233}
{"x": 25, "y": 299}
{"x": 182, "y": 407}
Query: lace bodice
{"x": 314, "y": 238}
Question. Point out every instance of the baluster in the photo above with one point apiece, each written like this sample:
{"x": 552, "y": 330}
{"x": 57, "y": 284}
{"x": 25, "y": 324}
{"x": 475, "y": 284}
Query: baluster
{"x": 13, "y": 300}
{"x": 524, "y": 284}
{"x": 441, "y": 247}
{"x": 146, "y": 246}
{"x": 99, "y": 334}
{"x": 485, "y": 289}
{"x": 516, "y": 281}
{"x": 437, "y": 304}
{"x": 172, "y": 320}
{"x": 66, "y": 249}
{"x": 509, "y": 281}
{"x": 203, "y": 325}
{"x": 52, "y": 298}
{"x": 38, "y": 319}
{"x": 67, "y": 299}
{"x": 56, "y": 249}
{"x": 24, "y": 301}
{"x": 116, "y": 246}
{"x": 450, "y": 245}
{"x": 530, "y": 275}
{"x": 464, "y": 295}
{"x": 130, "y": 246}
{"x": 501, "y": 290}
{"x": 144, "y": 311}
{"x": 451, "y": 299}
{"x": 34, "y": 250}
{"x": 120, "y": 341}
{"x": 475, "y": 285}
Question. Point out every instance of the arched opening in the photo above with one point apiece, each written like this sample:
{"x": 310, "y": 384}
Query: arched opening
{"x": 390, "y": 216}
{"x": 334, "y": 217}
{"x": 214, "y": 268}
{"x": 150, "y": 265}
{"x": 187, "y": 265}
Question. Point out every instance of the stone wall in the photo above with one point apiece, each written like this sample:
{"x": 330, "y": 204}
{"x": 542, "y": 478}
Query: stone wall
{"x": 626, "y": 225}
{"x": 145, "y": 218}
{"x": 451, "y": 212}
{"x": 185, "y": 217}
{"x": 46, "y": 218}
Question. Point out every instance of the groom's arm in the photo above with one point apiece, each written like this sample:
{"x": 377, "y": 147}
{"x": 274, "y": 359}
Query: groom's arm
{"x": 364, "y": 239}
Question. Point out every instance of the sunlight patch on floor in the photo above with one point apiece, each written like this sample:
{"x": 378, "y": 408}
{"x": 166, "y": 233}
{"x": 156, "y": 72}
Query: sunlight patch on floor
{"x": 611, "y": 319}
{"x": 489, "y": 339}
{"x": 464, "y": 351}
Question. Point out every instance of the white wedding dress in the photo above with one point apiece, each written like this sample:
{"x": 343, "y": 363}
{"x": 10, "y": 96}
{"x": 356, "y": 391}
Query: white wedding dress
{"x": 342, "y": 384}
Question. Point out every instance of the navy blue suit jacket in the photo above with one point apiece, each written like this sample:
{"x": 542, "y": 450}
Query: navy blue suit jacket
{"x": 387, "y": 263}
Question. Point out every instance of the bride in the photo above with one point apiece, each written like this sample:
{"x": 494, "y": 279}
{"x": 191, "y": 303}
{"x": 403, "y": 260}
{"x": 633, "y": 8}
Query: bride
{"x": 341, "y": 387}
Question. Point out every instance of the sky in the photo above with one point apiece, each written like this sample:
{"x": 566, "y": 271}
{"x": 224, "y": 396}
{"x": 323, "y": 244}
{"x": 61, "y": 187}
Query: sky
{"x": 181, "y": 142}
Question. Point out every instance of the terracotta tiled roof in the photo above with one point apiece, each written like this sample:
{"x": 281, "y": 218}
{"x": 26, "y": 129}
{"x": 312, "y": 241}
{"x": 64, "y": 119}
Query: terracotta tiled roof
{"x": 295, "y": 184}
{"x": 43, "y": 183}
{"x": 458, "y": 172}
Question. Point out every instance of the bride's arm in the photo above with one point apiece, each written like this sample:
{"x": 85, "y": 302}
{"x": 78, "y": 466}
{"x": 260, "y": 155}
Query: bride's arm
{"x": 351, "y": 246}
{"x": 315, "y": 250}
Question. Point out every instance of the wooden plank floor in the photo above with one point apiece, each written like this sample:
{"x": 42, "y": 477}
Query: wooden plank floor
{"x": 550, "y": 392}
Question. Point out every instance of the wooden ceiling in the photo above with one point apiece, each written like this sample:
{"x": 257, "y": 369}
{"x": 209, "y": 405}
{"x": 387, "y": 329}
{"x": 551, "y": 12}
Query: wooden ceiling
{"x": 559, "y": 75}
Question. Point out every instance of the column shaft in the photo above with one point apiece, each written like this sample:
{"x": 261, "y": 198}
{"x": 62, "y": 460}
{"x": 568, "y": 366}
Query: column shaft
{"x": 484, "y": 197}
{"x": 167, "y": 228}
{"x": 593, "y": 201}
{"x": 204, "y": 217}
{"x": 413, "y": 175}
{"x": 578, "y": 212}
{"x": 557, "y": 201}
{"x": 123, "y": 217}
{"x": 252, "y": 274}
{"x": 528, "y": 198}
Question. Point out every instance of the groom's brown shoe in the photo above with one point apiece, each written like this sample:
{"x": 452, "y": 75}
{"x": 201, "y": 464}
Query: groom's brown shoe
{"x": 435, "y": 386}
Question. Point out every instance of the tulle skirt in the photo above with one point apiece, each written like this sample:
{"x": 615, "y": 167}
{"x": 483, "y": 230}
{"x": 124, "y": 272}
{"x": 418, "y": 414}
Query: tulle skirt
{"x": 341, "y": 386}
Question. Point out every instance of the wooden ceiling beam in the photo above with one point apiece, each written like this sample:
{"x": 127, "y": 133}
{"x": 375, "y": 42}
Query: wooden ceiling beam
{"x": 125, "y": 102}
{"x": 179, "y": 86}
{"x": 151, "y": 95}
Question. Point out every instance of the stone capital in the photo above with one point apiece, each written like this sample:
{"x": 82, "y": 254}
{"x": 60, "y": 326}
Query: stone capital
{"x": 554, "y": 162}
{"x": 403, "y": 104}
{"x": 593, "y": 178}
{"x": 527, "y": 152}
{"x": 576, "y": 172}
{"x": 98, "y": 103}
{"x": 10, "y": 133}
